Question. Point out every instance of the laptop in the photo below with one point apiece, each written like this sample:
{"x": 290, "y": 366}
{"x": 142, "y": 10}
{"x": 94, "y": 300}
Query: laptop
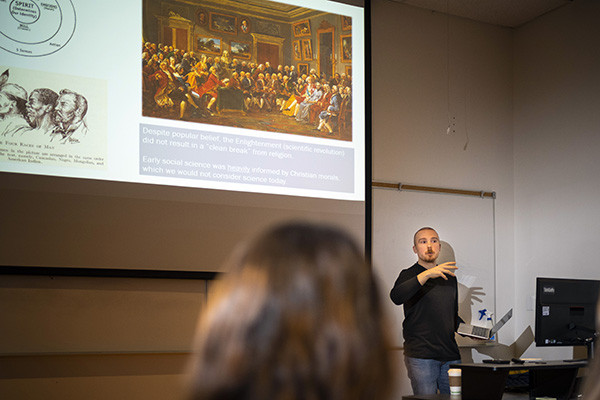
{"x": 480, "y": 332}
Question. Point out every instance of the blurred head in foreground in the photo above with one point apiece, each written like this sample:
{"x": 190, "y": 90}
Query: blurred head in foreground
{"x": 297, "y": 317}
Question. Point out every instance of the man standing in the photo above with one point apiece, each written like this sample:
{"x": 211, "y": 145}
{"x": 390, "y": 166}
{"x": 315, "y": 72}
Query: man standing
{"x": 430, "y": 297}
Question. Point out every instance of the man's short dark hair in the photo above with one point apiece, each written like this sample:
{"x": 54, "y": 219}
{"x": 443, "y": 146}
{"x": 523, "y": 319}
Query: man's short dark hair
{"x": 425, "y": 228}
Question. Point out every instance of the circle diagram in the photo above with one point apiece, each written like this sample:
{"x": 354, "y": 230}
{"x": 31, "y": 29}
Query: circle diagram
{"x": 34, "y": 28}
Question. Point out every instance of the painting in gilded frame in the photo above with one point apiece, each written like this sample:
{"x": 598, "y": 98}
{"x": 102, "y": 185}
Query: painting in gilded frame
{"x": 346, "y": 48}
{"x": 240, "y": 49}
{"x": 346, "y": 22}
{"x": 302, "y": 69}
{"x": 307, "y": 53}
{"x": 223, "y": 23}
{"x": 301, "y": 28}
{"x": 210, "y": 45}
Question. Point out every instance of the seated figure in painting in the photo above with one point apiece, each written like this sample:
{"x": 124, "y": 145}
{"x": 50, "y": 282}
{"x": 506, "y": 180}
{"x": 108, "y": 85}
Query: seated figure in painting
{"x": 301, "y": 91}
{"x": 210, "y": 88}
{"x": 304, "y": 107}
{"x": 329, "y": 118}
{"x": 321, "y": 105}
{"x": 258, "y": 92}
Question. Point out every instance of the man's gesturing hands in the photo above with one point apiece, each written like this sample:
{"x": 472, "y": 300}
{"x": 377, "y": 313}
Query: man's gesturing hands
{"x": 439, "y": 271}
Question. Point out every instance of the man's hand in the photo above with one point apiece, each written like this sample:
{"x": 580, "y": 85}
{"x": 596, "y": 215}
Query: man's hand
{"x": 439, "y": 271}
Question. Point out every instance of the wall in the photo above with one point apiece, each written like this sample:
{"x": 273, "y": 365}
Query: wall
{"x": 430, "y": 71}
{"x": 528, "y": 100}
{"x": 66, "y": 337}
{"x": 93, "y": 377}
{"x": 556, "y": 125}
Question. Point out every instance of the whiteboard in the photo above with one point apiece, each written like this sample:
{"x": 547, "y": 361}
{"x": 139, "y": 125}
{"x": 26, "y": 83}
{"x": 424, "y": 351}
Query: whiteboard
{"x": 466, "y": 228}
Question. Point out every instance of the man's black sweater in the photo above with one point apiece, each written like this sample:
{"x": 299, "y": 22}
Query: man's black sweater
{"x": 430, "y": 315}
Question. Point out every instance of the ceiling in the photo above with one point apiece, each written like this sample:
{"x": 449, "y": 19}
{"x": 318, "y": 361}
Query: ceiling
{"x": 508, "y": 13}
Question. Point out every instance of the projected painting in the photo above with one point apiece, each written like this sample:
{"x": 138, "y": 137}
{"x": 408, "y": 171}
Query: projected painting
{"x": 259, "y": 66}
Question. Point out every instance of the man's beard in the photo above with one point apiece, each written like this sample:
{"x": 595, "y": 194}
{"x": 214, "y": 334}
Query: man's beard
{"x": 430, "y": 257}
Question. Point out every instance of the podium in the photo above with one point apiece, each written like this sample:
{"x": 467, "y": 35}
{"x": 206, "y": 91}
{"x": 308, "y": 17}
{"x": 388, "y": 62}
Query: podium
{"x": 482, "y": 381}
{"x": 505, "y": 396}
{"x": 546, "y": 378}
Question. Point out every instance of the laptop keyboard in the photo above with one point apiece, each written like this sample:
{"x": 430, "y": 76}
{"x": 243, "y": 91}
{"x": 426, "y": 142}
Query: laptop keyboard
{"x": 480, "y": 331}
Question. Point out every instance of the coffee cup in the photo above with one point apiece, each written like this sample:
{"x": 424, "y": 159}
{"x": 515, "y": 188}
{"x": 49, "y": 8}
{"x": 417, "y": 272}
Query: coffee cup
{"x": 454, "y": 376}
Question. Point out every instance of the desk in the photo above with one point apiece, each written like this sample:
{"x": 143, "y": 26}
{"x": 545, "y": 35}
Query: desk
{"x": 547, "y": 378}
{"x": 505, "y": 396}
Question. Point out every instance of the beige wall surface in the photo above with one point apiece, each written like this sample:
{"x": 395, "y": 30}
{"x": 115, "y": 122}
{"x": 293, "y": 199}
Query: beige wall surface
{"x": 73, "y": 315}
{"x": 94, "y": 377}
{"x": 557, "y": 143}
{"x": 96, "y": 338}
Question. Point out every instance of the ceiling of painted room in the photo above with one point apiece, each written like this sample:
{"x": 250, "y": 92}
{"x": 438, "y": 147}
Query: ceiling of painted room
{"x": 269, "y": 9}
{"x": 507, "y": 13}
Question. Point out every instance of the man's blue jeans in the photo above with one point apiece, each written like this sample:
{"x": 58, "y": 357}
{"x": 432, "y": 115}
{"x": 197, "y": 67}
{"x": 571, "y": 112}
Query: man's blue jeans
{"x": 428, "y": 376}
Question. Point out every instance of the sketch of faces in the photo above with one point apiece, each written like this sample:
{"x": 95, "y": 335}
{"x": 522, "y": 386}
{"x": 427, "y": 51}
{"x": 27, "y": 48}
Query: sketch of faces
{"x": 35, "y": 108}
{"x": 65, "y": 109}
{"x": 6, "y": 104}
{"x": 70, "y": 108}
{"x": 40, "y": 107}
{"x": 61, "y": 115}
{"x": 12, "y": 99}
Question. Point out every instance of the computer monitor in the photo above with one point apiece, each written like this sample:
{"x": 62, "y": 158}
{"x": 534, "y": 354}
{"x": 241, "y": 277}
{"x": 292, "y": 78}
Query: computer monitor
{"x": 565, "y": 312}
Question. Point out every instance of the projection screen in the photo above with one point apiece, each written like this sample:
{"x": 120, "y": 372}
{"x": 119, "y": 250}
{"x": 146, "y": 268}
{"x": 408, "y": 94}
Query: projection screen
{"x": 158, "y": 134}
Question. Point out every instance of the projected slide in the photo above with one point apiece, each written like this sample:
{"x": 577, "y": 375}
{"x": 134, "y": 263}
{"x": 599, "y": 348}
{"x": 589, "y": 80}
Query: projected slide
{"x": 252, "y": 95}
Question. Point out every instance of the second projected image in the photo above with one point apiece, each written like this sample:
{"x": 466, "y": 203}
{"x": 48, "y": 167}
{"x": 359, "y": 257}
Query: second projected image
{"x": 214, "y": 65}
